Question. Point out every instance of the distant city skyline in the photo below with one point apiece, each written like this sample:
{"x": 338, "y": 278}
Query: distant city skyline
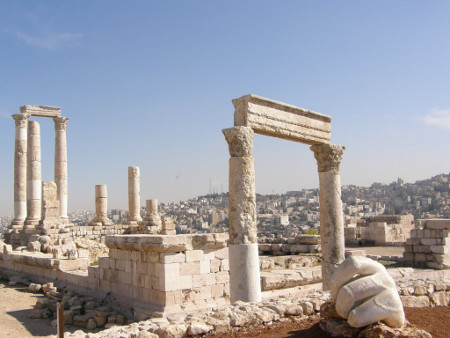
{"x": 150, "y": 84}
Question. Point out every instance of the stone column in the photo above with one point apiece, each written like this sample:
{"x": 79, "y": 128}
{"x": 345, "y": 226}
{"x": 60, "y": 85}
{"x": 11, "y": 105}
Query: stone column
{"x": 151, "y": 213}
{"x": 331, "y": 216}
{"x": 61, "y": 164}
{"x": 101, "y": 206}
{"x": 134, "y": 200}
{"x": 34, "y": 182}
{"x": 20, "y": 169}
{"x": 243, "y": 247}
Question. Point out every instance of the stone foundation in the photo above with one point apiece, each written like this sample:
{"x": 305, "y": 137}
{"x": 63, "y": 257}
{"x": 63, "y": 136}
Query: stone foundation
{"x": 148, "y": 275}
{"x": 429, "y": 245}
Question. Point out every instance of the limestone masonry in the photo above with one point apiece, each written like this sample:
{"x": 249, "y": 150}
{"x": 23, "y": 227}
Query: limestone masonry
{"x": 143, "y": 269}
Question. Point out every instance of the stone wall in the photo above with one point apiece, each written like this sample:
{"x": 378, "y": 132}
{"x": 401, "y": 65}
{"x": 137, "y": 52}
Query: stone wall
{"x": 167, "y": 274}
{"x": 380, "y": 230}
{"x": 291, "y": 245}
{"x": 150, "y": 274}
{"x": 429, "y": 244}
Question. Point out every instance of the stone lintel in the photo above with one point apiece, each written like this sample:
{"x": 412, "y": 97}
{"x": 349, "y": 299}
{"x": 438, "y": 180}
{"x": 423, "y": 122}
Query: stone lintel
{"x": 277, "y": 119}
{"x": 167, "y": 243}
{"x": 42, "y": 111}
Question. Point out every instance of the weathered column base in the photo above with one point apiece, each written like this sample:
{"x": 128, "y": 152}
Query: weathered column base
{"x": 245, "y": 284}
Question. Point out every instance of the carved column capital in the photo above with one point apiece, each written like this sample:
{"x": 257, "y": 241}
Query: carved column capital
{"x": 60, "y": 122}
{"x": 21, "y": 120}
{"x": 328, "y": 156}
{"x": 240, "y": 141}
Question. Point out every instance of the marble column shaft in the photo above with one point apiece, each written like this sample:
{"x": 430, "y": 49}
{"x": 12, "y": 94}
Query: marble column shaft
{"x": 34, "y": 181}
{"x": 243, "y": 247}
{"x": 20, "y": 169}
{"x": 61, "y": 163}
{"x": 134, "y": 199}
{"x": 331, "y": 215}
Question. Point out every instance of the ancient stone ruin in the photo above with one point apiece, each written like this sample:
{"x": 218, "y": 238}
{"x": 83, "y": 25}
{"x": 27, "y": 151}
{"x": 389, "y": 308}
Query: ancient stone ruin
{"x": 150, "y": 272}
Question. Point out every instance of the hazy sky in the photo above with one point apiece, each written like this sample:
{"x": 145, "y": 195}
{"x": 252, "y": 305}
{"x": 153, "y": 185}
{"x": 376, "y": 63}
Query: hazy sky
{"x": 150, "y": 84}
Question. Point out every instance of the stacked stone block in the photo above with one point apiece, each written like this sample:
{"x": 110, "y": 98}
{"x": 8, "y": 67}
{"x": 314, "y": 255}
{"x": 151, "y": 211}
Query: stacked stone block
{"x": 292, "y": 245}
{"x": 429, "y": 244}
{"x": 167, "y": 274}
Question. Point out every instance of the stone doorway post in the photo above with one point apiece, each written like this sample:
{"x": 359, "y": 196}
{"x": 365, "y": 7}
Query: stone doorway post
{"x": 328, "y": 158}
{"x": 243, "y": 247}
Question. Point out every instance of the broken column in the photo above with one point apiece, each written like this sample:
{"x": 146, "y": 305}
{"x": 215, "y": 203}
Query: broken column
{"x": 61, "y": 164}
{"x": 151, "y": 213}
{"x": 243, "y": 247}
{"x": 34, "y": 189}
{"x": 328, "y": 158}
{"x": 101, "y": 206}
{"x": 134, "y": 200}
{"x": 20, "y": 169}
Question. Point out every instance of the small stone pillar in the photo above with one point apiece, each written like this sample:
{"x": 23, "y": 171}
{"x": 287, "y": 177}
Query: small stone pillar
{"x": 331, "y": 215}
{"x": 151, "y": 213}
{"x": 243, "y": 248}
{"x": 20, "y": 170}
{"x": 50, "y": 205}
{"x": 61, "y": 164}
{"x": 34, "y": 182}
{"x": 101, "y": 206}
{"x": 134, "y": 200}
{"x": 168, "y": 227}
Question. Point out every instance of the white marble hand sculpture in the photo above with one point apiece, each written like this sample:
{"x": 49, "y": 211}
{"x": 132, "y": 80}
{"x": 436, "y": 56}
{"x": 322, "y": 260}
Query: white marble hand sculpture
{"x": 365, "y": 293}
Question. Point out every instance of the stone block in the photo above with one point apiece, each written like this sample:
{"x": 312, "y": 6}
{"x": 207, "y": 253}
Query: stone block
{"x": 225, "y": 266}
{"x": 103, "y": 262}
{"x": 439, "y": 249}
{"x": 172, "y": 257}
{"x": 190, "y": 268}
{"x": 209, "y": 255}
{"x": 428, "y": 241}
{"x": 421, "y": 249}
{"x": 176, "y": 283}
{"x": 217, "y": 290}
{"x": 420, "y": 257}
{"x": 194, "y": 255}
{"x": 222, "y": 277}
{"x": 153, "y": 257}
{"x": 215, "y": 266}
{"x": 203, "y": 280}
{"x": 205, "y": 267}
{"x": 415, "y": 301}
{"x": 408, "y": 257}
{"x": 222, "y": 253}
{"x": 167, "y": 270}
{"x": 440, "y": 298}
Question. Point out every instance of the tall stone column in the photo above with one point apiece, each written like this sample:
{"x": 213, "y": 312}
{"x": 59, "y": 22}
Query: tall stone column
{"x": 243, "y": 248}
{"x": 101, "y": 206}
{"x": 61, "y": 164}
{"x": 134, "y": 199}
{"x": 20, "y": 170}
{"x": 34, "y": 182}
{"x": 331, "y": 215}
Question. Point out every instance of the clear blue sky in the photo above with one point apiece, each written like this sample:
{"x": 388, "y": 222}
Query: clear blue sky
{"x": 150, "y": 83}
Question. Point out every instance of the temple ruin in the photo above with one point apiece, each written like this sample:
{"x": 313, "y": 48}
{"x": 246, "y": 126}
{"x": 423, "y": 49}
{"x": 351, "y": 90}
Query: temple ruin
{"x": 152, "y": 272}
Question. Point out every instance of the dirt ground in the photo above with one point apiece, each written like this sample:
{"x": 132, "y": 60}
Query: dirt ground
{"x": 435, "y": 320}
{"x": 16, "y": 303}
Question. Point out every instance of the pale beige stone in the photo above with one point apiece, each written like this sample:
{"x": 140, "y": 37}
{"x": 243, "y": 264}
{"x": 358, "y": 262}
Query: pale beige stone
{"x": 20, "y": 169}
{"x": 152, "y": 217}
{"x": 61, "y": 164}
{"x": 134, "y": 199}
{"x": 101, "y": 206}
{"x": 34, "y": 189}
{"x": 331, "y": 216}
{"x": 272, "y": 118}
